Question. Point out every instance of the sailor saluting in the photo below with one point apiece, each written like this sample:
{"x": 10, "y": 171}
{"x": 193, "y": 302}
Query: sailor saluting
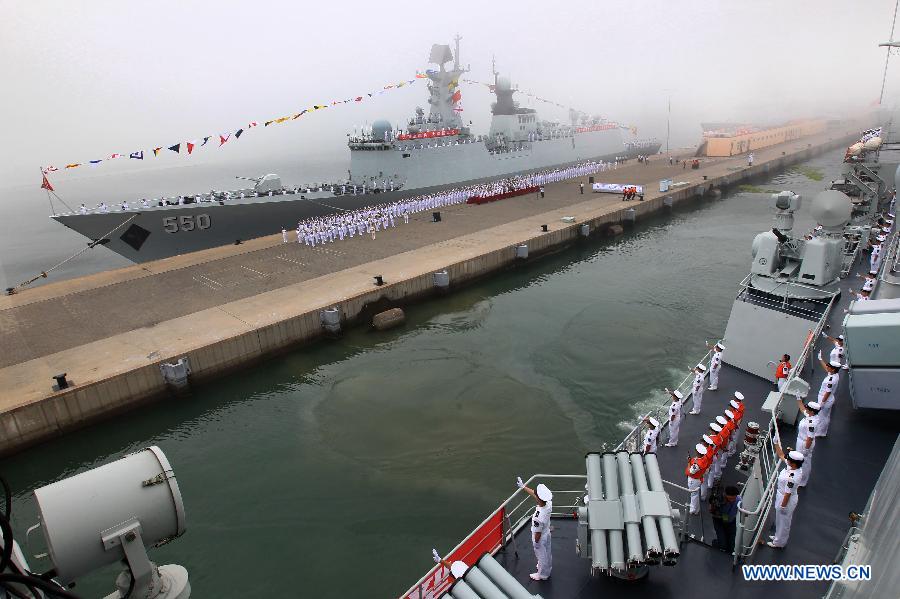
{"x": 715, "y": 364}
{"x": 785, "y": 501}
{"x": 697, "y": 388}
{"x": 540, "y": 528}
{"x": 674, "y": 417}
{"x": 652, "y": 435}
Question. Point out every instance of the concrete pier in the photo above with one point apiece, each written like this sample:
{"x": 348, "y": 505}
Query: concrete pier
{"x": 231, "y": 306}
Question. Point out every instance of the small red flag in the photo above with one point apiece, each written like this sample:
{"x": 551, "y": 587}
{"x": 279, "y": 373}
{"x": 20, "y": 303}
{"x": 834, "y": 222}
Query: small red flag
{"x": 190, "y": 147}
{"x": 46, "y": 184}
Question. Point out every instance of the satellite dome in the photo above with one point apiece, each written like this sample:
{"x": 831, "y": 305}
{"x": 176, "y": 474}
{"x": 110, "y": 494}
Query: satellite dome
{"x": 380, "y": 127}
{"x": 831, "y": 208}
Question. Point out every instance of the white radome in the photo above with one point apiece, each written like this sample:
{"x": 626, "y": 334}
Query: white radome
{"x": 855, "y": 150}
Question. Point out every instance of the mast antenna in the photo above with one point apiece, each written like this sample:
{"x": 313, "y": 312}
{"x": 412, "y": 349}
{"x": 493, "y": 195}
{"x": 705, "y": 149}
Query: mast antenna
{"x": 456, "y": 53}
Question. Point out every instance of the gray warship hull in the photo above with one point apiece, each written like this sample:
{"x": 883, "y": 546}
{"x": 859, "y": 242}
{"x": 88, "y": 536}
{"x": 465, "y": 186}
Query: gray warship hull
{"x": 164, "y": 231}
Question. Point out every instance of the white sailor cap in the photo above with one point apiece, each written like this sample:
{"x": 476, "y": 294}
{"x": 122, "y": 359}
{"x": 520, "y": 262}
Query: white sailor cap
{"x": 881, "y": 238}
{"x": 835, "y": 364}
{"x": 721, "y": 420}
{"x": 653, "y": 421}
{"x": 841, "y": 337}
{"x": 720, "y": 346}
{"x": 678, "y": 394}
{"x": 715, "y": 426}
{"x": 796, "y": 456}
{"x": 818, "y": 228}
{"x": 701, "y": 448}
{"x": 814, "y": 405}
{"x": 730, "y": 414}
{"x": 708, "y": 440}
{"x": 543, "y": 492}
{"x": 734, "y": 404}
{"x": 458, "y": 569}
{"x": 738, "y": 396}
{"x": 701, "y": 367}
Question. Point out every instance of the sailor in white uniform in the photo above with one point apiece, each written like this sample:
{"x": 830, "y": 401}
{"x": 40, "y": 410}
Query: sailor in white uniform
{"x": 284, "y": 235}
{"x": 785, "y": 501}
{"x": 875, "y": 258}
{"x": 540, "y": 528}
{"x": 84, "y": 209}
{"x": 697, "y": 388}
{"x": 651, "y": 436}
{"x": 837, "y": 353}
{"x": 868, "y": 281}
{"x": 732, "y": 440}
{"x": 806, "y": 438}
{"x": 715, "y": 364}
{"x": 674, "y": 417}
{"x": 827, "y": 394}
{"x": 695, "y": 476}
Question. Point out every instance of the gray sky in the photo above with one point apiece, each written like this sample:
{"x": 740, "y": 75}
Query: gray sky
{"x": 83, "y": 79}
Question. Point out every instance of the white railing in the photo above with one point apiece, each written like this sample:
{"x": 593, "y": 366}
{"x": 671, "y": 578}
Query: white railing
{"x": 632, "y": 440}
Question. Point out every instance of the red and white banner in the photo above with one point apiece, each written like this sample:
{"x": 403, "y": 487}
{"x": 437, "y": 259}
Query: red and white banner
{"x": 486, "y": 539}
{"x": 428, "y": 134}
{"x": 605, "y": 127}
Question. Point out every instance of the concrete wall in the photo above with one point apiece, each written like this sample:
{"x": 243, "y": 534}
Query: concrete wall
{"x": 84, "y": 404}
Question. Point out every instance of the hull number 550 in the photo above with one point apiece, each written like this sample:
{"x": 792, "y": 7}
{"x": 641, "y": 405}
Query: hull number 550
{"x": 173, "y": 224}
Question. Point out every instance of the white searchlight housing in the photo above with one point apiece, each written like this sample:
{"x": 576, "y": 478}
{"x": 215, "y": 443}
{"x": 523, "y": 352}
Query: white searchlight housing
{"x": 113, "y": 513}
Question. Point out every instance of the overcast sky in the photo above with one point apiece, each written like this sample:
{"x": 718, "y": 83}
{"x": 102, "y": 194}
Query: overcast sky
{"x": 83, "y": 79}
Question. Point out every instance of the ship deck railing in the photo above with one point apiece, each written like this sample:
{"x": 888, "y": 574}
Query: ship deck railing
{"x": 516, "y": 513}
{"x": 851, "y": 253}
{"x": 787, "y": 297}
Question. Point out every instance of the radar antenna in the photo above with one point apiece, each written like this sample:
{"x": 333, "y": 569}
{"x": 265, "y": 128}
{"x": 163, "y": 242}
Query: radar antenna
{"x": 456, "y": 52}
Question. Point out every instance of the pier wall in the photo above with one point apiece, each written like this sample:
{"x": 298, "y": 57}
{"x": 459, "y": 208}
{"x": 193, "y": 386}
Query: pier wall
{"x": 252, "y": 332}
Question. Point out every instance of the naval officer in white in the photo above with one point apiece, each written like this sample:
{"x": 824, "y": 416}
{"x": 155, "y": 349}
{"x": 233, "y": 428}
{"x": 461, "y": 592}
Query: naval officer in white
{"x": 540, "y": 528}
{"x": 785, "y": 501}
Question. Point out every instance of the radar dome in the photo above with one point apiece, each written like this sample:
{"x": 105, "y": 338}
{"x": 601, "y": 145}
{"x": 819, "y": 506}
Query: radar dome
{"x": 380, "y": 127}
{"x": 831, "y": 208}
{"x": 855, "y": 150}
{"x": 503, "y": 83}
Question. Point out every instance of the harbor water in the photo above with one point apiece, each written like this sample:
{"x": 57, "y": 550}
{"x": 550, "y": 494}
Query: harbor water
{"x": 333, "y": 470}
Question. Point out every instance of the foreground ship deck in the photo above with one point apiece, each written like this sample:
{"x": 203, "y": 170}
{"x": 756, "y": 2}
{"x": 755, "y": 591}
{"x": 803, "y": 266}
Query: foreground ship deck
{"x": 847, "y": 465}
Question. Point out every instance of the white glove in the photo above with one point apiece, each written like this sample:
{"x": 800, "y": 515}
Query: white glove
{"x": 823, "y": 334}
{"x": 820, "y": 354}
{"x": 519, "y": 482}
{"x": 437, "y": 558}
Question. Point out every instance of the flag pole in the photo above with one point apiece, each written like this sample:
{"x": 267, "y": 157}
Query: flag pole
{"x": 49, "y": 199}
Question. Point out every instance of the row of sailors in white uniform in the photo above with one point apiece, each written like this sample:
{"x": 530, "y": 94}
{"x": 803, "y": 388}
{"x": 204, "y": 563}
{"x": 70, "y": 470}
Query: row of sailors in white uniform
{"x": 703, "y": 471}
{"x": 887, "y": 225}
{"x": 372, "y": 219}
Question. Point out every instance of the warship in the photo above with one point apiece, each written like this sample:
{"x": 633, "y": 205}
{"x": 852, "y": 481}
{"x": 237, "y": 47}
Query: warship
{"x": 624, "y": 528}
{"x": 433, "y": 151}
